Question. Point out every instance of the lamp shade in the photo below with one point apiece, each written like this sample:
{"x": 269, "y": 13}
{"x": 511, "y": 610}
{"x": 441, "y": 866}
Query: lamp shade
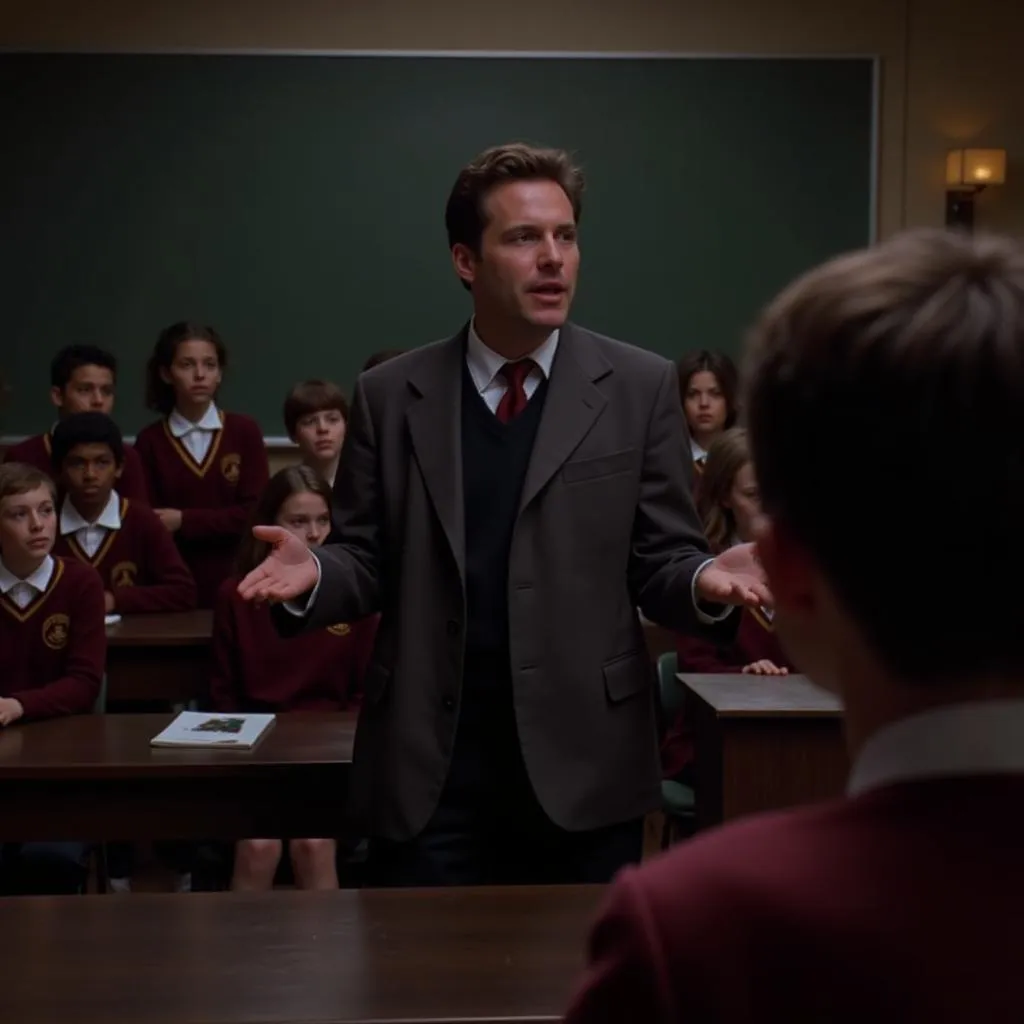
{"x": 969, "y": 168}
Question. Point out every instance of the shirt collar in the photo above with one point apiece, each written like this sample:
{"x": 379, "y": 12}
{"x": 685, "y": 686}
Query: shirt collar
{"x": 40, "y": 579}
{"x": 485, "y": 364}
{"x": 696, "y": 452}
{"x": 180, "y": 426}
{"x": 71, "y": 520}
{"x": 977, "y": 738}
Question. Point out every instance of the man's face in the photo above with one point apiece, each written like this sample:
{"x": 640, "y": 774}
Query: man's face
{"x": 90, "y": 389}
{"x": 529, "y": 259}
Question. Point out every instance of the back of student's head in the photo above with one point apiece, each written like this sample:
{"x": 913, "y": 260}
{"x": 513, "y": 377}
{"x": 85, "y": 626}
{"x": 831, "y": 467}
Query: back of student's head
{"x": 721, "y": 367}
{"x": 160, "y": 396}
{"x": 84, "y": 428}
{"x": 728, "y": 454}
{"x": 311, "y": 396}
{"x": 886, "y": 415}
{"x": 19, "y": 478}
{"x": 298, "y": 479}
{"x": 72, "y": 357}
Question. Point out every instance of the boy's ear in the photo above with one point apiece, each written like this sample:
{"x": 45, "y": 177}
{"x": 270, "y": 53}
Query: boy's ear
{"x": 119, "y": 471}
{"x": 57, "y": 397}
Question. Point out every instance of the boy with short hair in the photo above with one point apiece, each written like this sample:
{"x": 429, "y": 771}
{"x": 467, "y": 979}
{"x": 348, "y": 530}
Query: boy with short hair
{"x": 137, "y": 559}
{"x": 873, "y": 380}
{"x": 315, "y": 415}
{"x": 82, "y": 379}
{"x": 52, "y": 651}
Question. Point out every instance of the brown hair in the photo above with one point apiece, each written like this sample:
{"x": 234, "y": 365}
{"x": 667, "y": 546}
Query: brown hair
{"x": 311, "y": 396}
{"x": 721, "y": 367}
{"x": 283, "y": 484}
{"x": 160, "y": 394}
{"x": 728, "y": 454}
{"x": 18, "y": 478}
{"x": 381, "y": 357}
{"x": 465, "y": 217}
{"x": 877, "y": 383}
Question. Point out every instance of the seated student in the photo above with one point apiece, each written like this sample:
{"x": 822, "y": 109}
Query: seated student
{"x": 707, "y": 389}
{"x": 315, "y": 415}
{"x": 125, "y": 542}
{"x": 205, "y": 468}
{"x": 52, "y": 652}
{"x": 82, "y": 379}
{"x": 902, "y": 900}
{"x": 255, "y": 669}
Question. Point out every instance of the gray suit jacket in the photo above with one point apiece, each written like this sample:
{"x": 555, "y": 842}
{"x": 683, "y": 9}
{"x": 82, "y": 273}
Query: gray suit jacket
{"x": 606, "y": 524}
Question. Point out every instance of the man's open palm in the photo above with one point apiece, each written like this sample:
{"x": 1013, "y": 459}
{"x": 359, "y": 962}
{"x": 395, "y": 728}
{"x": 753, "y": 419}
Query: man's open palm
{"x": 735, "y": 577}
{"x": 289, "y": 571}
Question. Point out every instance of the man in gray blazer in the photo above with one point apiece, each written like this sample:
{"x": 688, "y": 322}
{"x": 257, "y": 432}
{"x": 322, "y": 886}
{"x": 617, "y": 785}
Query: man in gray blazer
{"x": 507, "y": 499}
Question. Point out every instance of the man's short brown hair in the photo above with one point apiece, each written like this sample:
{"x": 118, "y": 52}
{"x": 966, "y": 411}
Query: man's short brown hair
{"x": 18, "y": 478}
{"x": 464, "y": 216}
{"x": 886, "y": 410}
{"x": 310, "y": 396}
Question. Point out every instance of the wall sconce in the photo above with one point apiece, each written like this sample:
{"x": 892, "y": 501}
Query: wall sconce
{"x": 968, "y": 172}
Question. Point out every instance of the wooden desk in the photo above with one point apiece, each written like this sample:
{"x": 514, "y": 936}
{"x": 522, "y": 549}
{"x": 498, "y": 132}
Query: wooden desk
{"x": 441, "y": 955}
{"x": 97, "y": 777}
{"x": 762, "y": 743}
{"x": 164, "y": 657}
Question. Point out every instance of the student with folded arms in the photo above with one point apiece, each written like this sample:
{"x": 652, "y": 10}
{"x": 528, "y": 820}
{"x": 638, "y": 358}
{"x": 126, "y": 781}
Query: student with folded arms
{"x": 206, "y": 468}
{"x": 82, "y": 379}
{"x": 873, "y": 379}
{"x": 52, "y": 652}
{"x": 257, "y": 670}
{"x": 123, "y": 541}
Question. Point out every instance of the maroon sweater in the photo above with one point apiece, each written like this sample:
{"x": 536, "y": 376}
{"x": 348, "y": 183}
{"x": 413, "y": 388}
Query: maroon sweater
{"x": 902, "y": 904}
{"x": 53, "y": 653}
{"x": 215, "y": 498}
{"x": 35, "y": 451}
{"x": 755, "y": 640}
{"x": 138, "y": 564}
{"x": 255, "y": 669}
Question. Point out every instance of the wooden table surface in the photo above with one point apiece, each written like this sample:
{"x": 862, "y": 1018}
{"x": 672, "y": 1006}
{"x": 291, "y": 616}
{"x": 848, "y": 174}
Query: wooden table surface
{"x": 442, "y": 955}
{"x": 762, "y": 743}
{"x": 93, "y": 776}
{"x": 165, "y": 629}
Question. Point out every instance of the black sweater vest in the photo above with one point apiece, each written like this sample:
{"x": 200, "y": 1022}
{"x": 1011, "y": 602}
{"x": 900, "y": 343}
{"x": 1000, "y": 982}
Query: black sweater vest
{"x": 495, "y": 457}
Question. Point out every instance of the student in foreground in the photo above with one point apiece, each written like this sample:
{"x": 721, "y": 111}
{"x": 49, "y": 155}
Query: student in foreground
{"x": 82, "y": 379}
{"x": 123, "y": 541}
{"x": 904, "y": 899}
{"x": 254, "y": 669}
{"x": 52, "y": 653}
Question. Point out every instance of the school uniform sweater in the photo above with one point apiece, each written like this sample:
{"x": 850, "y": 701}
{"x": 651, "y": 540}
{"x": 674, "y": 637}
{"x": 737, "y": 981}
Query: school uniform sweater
{"x": 215, "y": 496}
{"x": 53, "y": 652}
{"x": 36, "y": 452}
{"x": 755, "y": 641}
{"x": 138, "y": 563}
{"x": 255, "y": 669}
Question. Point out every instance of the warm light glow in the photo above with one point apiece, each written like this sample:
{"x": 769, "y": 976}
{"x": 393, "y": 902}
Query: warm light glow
{"x": 967, "y": 167}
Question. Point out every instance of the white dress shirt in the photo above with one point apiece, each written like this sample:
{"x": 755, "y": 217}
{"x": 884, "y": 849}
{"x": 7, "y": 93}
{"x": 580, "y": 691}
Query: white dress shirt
{"x": 24, "y": 591}
{"x": 90, "y": 536}
{"x": 976, "y": 738}
{"x": 485, "y": 365}
{"x": 196, "y": 437}
{"x": 697, "y": 453}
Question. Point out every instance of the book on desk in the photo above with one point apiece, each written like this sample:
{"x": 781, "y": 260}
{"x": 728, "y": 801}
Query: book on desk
{"x": 240, "y": 731}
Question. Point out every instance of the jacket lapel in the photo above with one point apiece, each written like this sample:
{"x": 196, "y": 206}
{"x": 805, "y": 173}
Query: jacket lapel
{"x": 572, "y": 407}
{"x": 435, "y": 428}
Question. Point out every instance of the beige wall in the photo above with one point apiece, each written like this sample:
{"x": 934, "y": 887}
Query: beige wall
{"x": 951, "y": 71}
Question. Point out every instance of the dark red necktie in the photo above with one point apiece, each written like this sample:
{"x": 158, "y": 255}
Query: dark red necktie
{"x": 513, "y": 402}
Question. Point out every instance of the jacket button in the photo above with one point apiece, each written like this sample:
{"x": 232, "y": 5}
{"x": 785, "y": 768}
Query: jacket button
{"x": 448, "y": 703}
{"x": 453, "y": 628}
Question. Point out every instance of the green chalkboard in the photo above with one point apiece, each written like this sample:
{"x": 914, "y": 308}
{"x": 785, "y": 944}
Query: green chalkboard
{"x": 296, "y": 202}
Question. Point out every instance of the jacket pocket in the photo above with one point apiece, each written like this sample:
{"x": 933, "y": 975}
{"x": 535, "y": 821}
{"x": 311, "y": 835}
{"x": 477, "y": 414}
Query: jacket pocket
{"x": 627, "y": 675}
{"x": 579, "y": 470}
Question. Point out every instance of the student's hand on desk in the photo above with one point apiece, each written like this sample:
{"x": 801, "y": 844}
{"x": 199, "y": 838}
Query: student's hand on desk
{"x": 289, "y": 571}
{"x": 108, "y": 602}
{"x": 10, "y": 710}
{"x": 735, "y": 577}
{"x": 764, "y": 667}
{"x": 170, "y": 517}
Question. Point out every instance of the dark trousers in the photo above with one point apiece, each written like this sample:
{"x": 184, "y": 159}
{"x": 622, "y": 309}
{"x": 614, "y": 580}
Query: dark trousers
{"x": 43, "y": 869}
{"x": 488, "y": 828}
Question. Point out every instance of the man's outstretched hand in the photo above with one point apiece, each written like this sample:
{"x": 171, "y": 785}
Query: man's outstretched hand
{"x": 289, "y": 571}
{"x": 735, "y": 577}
